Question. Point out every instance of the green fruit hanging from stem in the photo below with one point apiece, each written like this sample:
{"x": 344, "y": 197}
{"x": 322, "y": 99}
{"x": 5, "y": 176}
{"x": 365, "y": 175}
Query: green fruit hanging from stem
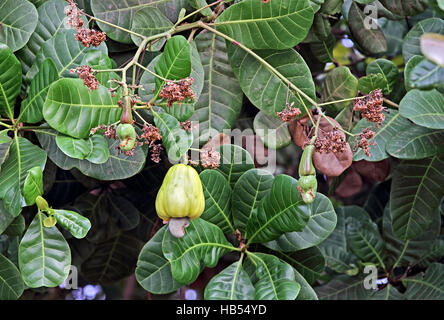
{"x": 127, "y": 136}
{"x": 307, "y": 182}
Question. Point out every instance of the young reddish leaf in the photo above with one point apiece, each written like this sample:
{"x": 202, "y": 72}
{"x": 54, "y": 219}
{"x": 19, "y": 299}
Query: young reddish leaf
{"x": 376, "y": 171}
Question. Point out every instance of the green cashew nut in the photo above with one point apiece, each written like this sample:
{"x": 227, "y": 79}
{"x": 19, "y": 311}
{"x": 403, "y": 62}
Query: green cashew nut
{"x": 127, "y": 136}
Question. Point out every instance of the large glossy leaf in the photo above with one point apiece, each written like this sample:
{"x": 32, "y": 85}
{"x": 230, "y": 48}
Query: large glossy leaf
{"x": 5, "y": 144}
{"x": 410, "y": 65}
{"x": 277, "y": 24}
{"x": 306, "y": 292}
{"x": 434, "y": 254}
{"x": 394, "y": 31}
{"x": 280, "y": 211}
{"x": 112, "y": 260}
{"x": 122, "y": 14}
{"x": 248, "y": 191}
{"x": 217, "y": 193}
{"x": 262, "y": 87}
{"x": 118, "y": 166}
{"x": 69, "y": 102}
{"x": 23, "y": 156}
{"x": 18, "y": 19}
{"x": 232, "y": 283}
{"x": 415, "y": 142}
{"x": 203, "y": 243}
{"x": 33, "y": 186}
{"x": 276, "y": 279}
{"x": 407, "y": 252}
{"x": 372, "y": 82}
{"x": 51, "y": 19}
{"x": 388, "y": 69}
{"x": 339, "y": 84}
{"x": 66, "y": 52}
{"x": 405, "y": 7}
{"x": 31, "y": 107}
{"x": 150, "y": 21}
{"x": 425, "y": 108}
{"x": 371, "y": 40}
{"x": 428, "y": 286}
{"x": 153, "y": 270}
{"x": 221, "y": 100}
{"x": 346, "y": 288}
{"x": 394, "y": 123}
{"x": 73, "y": 222}
{"x": 411, "y": 44}
{"x": 44, "y": 255}
{"x": 427, "y": 75}
{"x": 272, "y": 131}
{"x": 72, "y": 147}
{"x": 10, "y": 81}
{"x": 322, "y": 222}
{"x": 234, "y": 161}
{"x": 415, "y": 196}
{"x": 11, "y": 283}
{"x": 6, "y": 218}
{"x": 175, "y": 139}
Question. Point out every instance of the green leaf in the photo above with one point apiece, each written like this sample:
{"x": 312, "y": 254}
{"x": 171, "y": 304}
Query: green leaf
{"x": 10, "y": 80}
{"x": 217, "y": 193}
{"x": 16, "y": 227}
{"x": 321, "y": 223}
{"x": 23, "y": 156}
{"x": 73, "y": 222}
{"x": 44, "y": 255}
{"x": 31, "y": 107}
{"x": 372, "y": 82}
{"x": 394, "y": 31}
{"x": 153, "y": 270}
{"x": 435, "y": 253}
{"x": 411, "y": 44}
{"x": 306, "y": 292}
{"x": 175, "y": 61}
{"x": 425, "y": 108}
{"x": 278, "y": 24}
{"x": 99, "y": 152}
{"x": 11, "y": 283}
{"x": 392, "y": 125}
{"x": 69, "y": 101}
{"x": 197, "y": 4}
{"x": 280, "y": 211}
{"x": 51, "y": 19}
{"x": 33, "y": 186}
{"x": 175, "y": 139}
{"x": 344, "y": 287}
{"x": 405, "y": 7}
{"x": 339, "y": 84}
{"x": 122, "y": 13}
{"x": 415, "y": 142}
{"x": 388, "y": 69}
{"x": 415, "y": 196}
{"x": 203, "y": 243}
{"x": 262, "y": 87}
{"x": 5, "y": 144}
{"x": 411, "y": 64}
{"x": 404, "y": 253}
{"x": 72, "y": 147}
{"x": 232, "y": 283}
{"x": 118, "y": 166}
{"x": 66, "y": 52}
{"x": 276, "y": 279}
{"x": 428, "y": 286}
{"x": 365, "y": 241}
{"x": 323, "y": 50}
{"x": 18, "y": 20}
{"x": 370, "y": 40}
{"x": 309, "y": 263}
{"x": 432, "y": 45}
{"x": 234, "y": 161}
{"x": 248, "y": 191}
{"x": 6, "y": 218}
{"x": 220, "y": 103}
{"x": 99, "y": 60}
{"x": 427, "y": 75}
{"x": 150, "y": 21}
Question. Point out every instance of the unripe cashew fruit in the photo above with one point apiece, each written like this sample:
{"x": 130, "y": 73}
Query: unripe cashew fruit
{"x": 307, "y": 182}
{"x": 127, "y": 136}
{"x": 180, "y": 196}
{"x": 306, "y": 167}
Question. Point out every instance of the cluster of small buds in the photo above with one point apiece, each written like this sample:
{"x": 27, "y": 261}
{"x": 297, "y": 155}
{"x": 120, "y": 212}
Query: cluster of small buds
{"x": 371, "y": 107}
{"x": 150, "y": 136}
{"x": 209, "y": 158}
{"x": 110, "y": 131}
{"x": 289, "y": 113}
{"x": 186, "y": 125}
{"x": 363, "y": 143}
{"x": 86, "y": 74}
{"x": 86, "y": 36}
{"x": 177, "y": 91}
{"x": 333, "y": 141}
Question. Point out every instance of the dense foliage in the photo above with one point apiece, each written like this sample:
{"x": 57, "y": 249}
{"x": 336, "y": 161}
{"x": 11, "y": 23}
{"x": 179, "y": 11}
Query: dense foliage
{"x": 315, "y": 128}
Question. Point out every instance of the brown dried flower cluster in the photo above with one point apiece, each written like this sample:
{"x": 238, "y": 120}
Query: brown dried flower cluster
{"x": 86, "y": 74}
{"x": 363, "y": 143}
{"x": 332, "y": 141}
{"x": 177, "y": 91}
{"x": 150, "y": 136}
{"x": 209, "y": 158}
{"x": 289, "y": 113}
{"x": 86, "y": 36}
{"x": 110, "y": 131}
{"x": 186, "y": 125}
{"x": 371, "y": 107}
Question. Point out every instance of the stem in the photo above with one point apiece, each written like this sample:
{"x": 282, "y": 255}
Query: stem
{"x": 107, "y": 70}
{"x": 197, "y": 11}
{"x": 114, "y": 25}
{"x": 391, "y": 103}
{"x": 151, "y": 72}
{"x": 337, "y": 101}
{"x": 5, "y": 125}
